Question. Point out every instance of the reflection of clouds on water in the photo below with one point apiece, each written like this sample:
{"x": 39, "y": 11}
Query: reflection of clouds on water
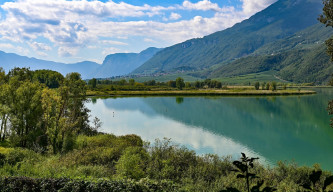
{"x": 156, "y": 126}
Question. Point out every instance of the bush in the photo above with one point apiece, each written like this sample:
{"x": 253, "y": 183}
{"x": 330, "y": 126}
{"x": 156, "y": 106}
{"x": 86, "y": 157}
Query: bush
{"x": 132, "y": 163}
{"x": 18, "y": 184}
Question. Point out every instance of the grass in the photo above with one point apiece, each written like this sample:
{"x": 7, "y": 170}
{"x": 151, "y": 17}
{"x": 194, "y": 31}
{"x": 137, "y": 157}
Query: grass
{"x": 268, "y": 76}
{"x": 239, "y": 90}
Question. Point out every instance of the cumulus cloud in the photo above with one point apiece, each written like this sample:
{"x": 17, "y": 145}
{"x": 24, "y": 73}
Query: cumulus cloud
{"x": 253, "y": 6}
{"x": 39, "y": 46}
{"x": 175, "y": 16}
{"x": 72, "y": 25}
{"x": 6, "y": 46}
{"x": 67, "y": 51}
{"x": 204, "y": 5}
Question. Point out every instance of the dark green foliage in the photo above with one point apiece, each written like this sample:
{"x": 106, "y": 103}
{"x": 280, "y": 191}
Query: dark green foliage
{"x": 327, "y": 19}
{"x": 51, "y": 79}
{"x": 19, "y": 184}
{"x": 274, "y": 86}
{"x": 243, "y": 170}
{"x": 314, "y": 179}
{"x": 180, "y": 83}
{"x": 93, "y": 83}
{"x": 257, "y": 85}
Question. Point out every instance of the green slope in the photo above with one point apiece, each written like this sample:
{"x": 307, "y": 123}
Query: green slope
{"x": 300, "y": 58}
{"x": 278, "y": 21}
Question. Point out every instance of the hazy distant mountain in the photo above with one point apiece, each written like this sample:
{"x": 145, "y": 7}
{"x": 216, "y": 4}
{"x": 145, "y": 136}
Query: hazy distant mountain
{"x": 11, "y": 60}
{"x": 123, "y": 63}
{"x": 280, "y": 20}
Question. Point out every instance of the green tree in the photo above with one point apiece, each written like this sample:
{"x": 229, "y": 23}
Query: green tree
{"x": 180, "y": 83}
{"x": 263, "y": 85}
{"x": 327, "y": 19}
{"x": 51, "y": 79}
{"x": 172, "y": 83}
{"x": 274, "y": 86}
{"x": 257, "y": 85}
{"x": 93, "y": 83}
{"x": 25, "y": 112}
{"x": 131, "y": 82}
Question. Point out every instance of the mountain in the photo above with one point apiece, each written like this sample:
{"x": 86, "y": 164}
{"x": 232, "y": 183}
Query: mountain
{"x": 123, "y": 63}
{"x": 113, "y": 65}
{"x": 298, "y": 58}
{"x": 10, "y": 60}
{"x": 280, "y": 20}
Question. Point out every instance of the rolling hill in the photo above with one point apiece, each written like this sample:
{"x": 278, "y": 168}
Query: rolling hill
{"x": 298, "y": 58}
{"x": 280, "y": 20}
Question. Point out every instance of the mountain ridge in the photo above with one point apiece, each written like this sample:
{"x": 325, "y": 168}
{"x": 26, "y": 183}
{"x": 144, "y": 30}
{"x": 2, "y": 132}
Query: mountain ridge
{"x": 278, "y": 21}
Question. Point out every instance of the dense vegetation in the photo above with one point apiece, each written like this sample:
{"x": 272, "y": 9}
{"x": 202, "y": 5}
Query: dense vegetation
{"x": 37, "y": 117}
{"x": 47, "y": 143}
{"x": 126, "y": 161}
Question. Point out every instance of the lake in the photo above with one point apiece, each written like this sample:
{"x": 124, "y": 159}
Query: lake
{"x": 287, "y": 128}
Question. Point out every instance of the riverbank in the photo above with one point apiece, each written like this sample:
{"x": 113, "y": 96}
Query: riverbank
{"x": 202, "y": 92}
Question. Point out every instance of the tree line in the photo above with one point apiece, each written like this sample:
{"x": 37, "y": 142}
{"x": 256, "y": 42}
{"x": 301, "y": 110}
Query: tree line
{"x": 42, "y": 109}
{"x": 131, "y": 84}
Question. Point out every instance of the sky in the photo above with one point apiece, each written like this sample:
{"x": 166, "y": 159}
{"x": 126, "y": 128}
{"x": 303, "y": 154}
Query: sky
{"x": 71, "y": 31}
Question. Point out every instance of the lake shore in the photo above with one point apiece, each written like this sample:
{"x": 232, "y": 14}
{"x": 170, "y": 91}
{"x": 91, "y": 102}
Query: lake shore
{"x": 202, "y": 92}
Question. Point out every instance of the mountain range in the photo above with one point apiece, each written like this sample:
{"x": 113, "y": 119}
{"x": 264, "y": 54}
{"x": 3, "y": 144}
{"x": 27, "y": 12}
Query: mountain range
{"x": 285, "y": 39}
{"x": 123, "y": 63}
{"x": 114, "y": 64}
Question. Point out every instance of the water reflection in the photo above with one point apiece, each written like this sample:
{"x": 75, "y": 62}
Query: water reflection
{"x": 274, "y": 128}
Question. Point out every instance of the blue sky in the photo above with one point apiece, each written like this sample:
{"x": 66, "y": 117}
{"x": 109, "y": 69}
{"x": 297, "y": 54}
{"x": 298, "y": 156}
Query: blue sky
{"x": 77, "y": 30}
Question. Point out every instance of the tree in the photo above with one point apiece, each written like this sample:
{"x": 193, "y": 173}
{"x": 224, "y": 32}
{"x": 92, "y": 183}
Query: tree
{"x": 51, "y": 79}
{"x": 180, "y": 83}
{"x": 274, "y": 86}
{"x": 172, "y": 83}
{"x": 92, "y": 82}
{"x": 131, "y": 82}
{"x": 257, "y": 85}
{"x": 327, "y": 19}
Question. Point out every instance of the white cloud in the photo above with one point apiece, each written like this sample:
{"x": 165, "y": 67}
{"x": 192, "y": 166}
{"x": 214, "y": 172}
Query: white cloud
{"x": 175, "y": 16}
{"x": 42, "y": 54}
{"x": 39, "y": 46}
{"x": 112, "y": 50}
{"x": 110, "y": 42}
{"x": 6, "y": 46}
{"x": 203, "y": 5}
{"x": 67, "y": 51}
{"x": 72, "y": 25}
{"x": 253, "y": 6}
{"x": 149, "y": 40}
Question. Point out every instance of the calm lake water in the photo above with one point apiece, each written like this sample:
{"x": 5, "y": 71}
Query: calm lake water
{"x": 271, "y": 128}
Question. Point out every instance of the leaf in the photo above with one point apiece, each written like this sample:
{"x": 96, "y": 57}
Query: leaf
{"x": 328, "y": 181}
{"x": 252, "y": 175}
{"x": 230, "y": 189}
{"x": 315, "y": 176}
{"x": 240, "y": 176}
{"x": 269, "y": 189}
{"x": 240, "y": 166}
{"x": 306, "y": 186}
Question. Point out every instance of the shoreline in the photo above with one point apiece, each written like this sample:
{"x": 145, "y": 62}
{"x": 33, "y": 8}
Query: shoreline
{"x": 231, "y": 92}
